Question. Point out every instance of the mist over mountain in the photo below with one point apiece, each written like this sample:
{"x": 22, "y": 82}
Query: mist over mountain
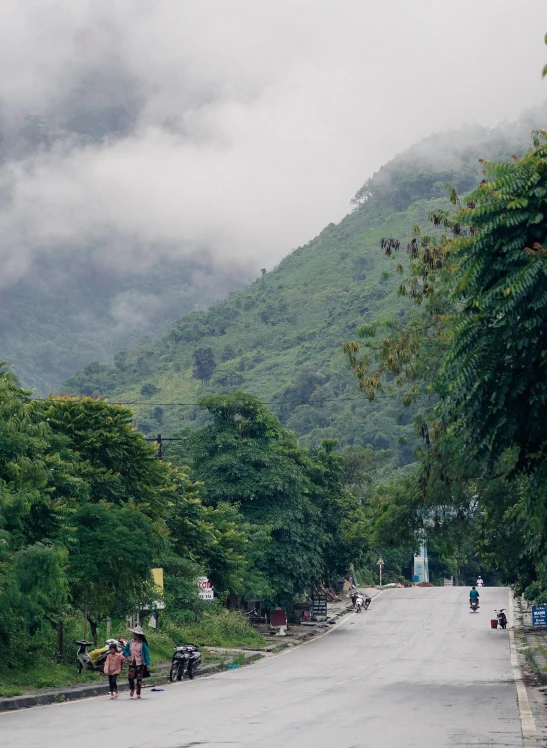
{"x": 156, "y": 156}
{"x": 280, "y": 338}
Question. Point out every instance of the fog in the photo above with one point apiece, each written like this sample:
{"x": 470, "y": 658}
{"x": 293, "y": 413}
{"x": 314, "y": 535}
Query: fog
{"x": 162, "y": 129}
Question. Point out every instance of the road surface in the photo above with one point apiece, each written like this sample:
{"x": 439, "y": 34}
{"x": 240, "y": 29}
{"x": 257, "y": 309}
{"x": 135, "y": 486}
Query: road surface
{"x": 416, "y": 669}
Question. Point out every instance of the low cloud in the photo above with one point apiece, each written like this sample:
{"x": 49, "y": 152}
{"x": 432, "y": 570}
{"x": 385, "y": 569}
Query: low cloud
{"x": 160, "y": 130}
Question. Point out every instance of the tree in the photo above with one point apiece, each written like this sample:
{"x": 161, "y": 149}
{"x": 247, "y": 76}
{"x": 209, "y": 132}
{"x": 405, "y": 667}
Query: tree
{"x": 204, "y": 363}
{"x": 110, "y": 561}
{"x": 34, "y": 516}
{"x": 243, "y": 457}
{"x": 303, "y": 527}
{"x": 495, "y": 370}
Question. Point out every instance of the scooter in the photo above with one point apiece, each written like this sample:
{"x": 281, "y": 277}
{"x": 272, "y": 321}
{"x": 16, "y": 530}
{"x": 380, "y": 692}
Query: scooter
{"x": 187, "y": 657}
{"x": 94, "y": 660}
{"x": 502, "y": 618}
{"x": 474, "y": 605}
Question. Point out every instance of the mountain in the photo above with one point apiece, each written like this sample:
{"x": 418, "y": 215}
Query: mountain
{"x": 69, "y": 310}
{"x": 280, "y": 338}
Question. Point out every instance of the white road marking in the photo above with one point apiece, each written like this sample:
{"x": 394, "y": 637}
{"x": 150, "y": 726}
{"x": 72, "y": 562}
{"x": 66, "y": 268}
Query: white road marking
{"x": 528, "y": 725}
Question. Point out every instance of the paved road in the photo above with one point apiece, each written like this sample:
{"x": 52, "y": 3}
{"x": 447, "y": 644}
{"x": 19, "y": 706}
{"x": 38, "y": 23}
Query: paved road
{"x": 417, "y": 669}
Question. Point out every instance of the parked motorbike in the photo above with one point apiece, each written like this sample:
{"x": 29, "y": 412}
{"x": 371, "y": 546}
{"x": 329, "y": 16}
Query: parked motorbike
{"x": 187, "y": 657}
{"x": 253, "y": 616}
{"x": 474, "y": 604}
{"x": 94, "y": 660}
{"x": 502, "y": 618}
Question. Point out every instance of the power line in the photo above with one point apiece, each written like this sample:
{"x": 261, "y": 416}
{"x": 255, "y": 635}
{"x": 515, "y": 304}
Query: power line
{"x": 265, "y": 402}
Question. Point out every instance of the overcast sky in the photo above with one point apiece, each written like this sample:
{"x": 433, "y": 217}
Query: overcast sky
{"x": 250, "y": 124}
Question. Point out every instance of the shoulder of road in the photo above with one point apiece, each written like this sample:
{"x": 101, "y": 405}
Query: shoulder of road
{"x": 159, "y": 676}
{"x": 532, "y": 641}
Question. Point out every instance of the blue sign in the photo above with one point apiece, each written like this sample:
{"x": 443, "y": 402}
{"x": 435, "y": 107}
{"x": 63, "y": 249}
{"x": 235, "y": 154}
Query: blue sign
{"x": 539, "y": 615}
{"x": 415, "y": 578}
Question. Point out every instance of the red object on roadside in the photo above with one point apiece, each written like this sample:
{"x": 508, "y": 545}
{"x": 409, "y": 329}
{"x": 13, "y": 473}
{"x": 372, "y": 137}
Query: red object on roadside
{"x": 493, "y": 623}
{"x": 278, "y": 617}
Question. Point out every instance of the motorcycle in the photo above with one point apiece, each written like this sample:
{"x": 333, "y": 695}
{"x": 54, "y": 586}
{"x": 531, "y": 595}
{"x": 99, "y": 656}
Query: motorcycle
{"x": 94, "y": 660}
{"x": 253, "y": 616}
{"x": 474, "y": 605}
{"x": 187, "y": 656}
{"x": 502, "y": 618}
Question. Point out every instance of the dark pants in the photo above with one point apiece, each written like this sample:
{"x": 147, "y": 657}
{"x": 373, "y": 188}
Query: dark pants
{"x": 112, "y": 682}
{"x": 135, "y": 674}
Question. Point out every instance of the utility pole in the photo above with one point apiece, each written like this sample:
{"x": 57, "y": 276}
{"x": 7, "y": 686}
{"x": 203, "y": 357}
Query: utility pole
{"x": 159, "y": 440}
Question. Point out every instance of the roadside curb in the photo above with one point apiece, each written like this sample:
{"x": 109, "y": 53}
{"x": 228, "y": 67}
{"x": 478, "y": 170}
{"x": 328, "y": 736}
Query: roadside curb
{"x": 75, "y": 693}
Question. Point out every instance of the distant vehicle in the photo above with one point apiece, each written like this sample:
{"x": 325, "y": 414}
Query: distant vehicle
{"x": 474, "y": 605}
{"x": 94, "y": 660}
{"x": 187, "y": 657}
{"x": 502, "y": 618}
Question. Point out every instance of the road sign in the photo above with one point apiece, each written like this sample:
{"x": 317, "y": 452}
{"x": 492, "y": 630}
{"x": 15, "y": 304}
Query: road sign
{"x": 539, "y": 615}
{"x": 319, "y": 606}
{"x": 205, "y": 589}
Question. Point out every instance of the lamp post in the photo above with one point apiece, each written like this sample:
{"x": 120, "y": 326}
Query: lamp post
{"x": 381, "y": 565}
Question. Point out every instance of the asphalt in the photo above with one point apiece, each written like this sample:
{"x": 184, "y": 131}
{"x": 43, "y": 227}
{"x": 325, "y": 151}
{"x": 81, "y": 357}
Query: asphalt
{"x": 416, "y": 669}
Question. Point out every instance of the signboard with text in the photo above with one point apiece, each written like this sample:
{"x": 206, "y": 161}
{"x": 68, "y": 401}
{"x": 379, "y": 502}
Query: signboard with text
{"x": 539, "y": 615}
{"x": 319, "y": 606}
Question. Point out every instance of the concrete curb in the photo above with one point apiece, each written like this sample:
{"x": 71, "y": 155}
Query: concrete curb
{"x": 74, "y": 693}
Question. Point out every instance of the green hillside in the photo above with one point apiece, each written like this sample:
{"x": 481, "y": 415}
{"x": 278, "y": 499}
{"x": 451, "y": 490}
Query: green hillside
{"x": 281, "y": 337}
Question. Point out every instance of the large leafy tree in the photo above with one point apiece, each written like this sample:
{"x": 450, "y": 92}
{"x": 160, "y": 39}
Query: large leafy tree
{"x": 244, "y": 457}
{"x": 496, "y": 367}
{"x": 34, "y": 526}
{"x": 306, "y": 527}
{"x": 495, "y": 373}
{"x": 86, "y": 510}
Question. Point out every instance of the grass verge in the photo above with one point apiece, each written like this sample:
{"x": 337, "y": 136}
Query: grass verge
{"x": 219, "y": 628}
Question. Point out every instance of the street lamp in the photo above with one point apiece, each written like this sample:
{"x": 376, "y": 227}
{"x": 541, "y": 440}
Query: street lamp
{"x": 381, "y": 565}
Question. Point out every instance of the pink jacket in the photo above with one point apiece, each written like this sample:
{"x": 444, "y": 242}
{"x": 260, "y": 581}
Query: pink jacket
{"x": 113, "y": 663}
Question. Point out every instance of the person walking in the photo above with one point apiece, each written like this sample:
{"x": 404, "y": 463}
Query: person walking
{"x": 113, "y": 667}
{"x": 138, "y": 655}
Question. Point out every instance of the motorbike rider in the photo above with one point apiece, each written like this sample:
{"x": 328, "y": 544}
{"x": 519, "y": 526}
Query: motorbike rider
{"x": 473, "y": 595}
{"x": 480, "y": 582}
